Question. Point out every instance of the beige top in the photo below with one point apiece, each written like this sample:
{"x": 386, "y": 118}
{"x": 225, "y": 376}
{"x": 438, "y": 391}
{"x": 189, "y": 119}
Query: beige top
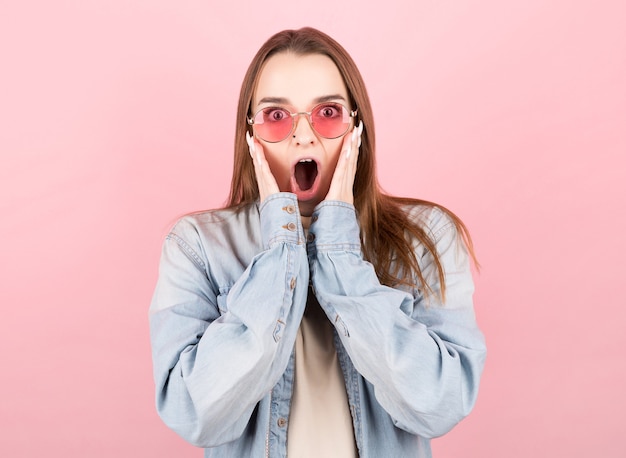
{"x": 320, "y": 424}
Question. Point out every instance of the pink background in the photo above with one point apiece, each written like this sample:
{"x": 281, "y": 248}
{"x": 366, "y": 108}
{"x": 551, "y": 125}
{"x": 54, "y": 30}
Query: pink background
{"x": 117, "y": 116}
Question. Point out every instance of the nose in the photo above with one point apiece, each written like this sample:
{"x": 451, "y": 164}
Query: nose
{"x": 303, "y": 132}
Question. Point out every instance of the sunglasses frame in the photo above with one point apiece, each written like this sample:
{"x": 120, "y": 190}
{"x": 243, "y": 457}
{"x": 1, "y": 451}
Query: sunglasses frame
{"x": 351, "y": 113}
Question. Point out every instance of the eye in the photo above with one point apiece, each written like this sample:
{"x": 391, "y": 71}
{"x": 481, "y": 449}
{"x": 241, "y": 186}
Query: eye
{"x": 274, "y": 114}
{"x": 329, "y": 110}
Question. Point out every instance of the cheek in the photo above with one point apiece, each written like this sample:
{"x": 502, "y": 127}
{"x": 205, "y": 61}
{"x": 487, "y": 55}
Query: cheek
{"x": 278, "y": 165}
{"x": 334, "y": 151}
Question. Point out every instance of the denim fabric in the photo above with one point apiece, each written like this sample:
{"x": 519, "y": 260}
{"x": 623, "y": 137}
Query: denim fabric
{"x": 229, "y": 299}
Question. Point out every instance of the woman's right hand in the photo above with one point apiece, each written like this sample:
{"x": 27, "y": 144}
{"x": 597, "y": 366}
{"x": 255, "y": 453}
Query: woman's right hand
{"x": 265, "y": 180}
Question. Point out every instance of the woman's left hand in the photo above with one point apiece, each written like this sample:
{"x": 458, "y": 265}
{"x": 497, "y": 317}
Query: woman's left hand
{"x": 343, "y": 178}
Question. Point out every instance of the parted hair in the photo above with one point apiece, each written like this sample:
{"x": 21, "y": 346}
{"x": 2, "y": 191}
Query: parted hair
{"x": 388, "y": 233}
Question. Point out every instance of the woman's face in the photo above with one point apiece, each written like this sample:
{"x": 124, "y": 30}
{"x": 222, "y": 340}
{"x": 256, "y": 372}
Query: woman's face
{"x": 304, "y": 162}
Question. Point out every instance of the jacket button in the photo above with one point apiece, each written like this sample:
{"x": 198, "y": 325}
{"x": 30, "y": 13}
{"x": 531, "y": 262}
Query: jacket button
{"x": 310, "y": 237}
{"x": 290, "y": 209}
{"x": 292, "y": 284}
{"x": 291, "y": 226}
{"x": 314, "y": 218}
{"x": 282, "y": 422}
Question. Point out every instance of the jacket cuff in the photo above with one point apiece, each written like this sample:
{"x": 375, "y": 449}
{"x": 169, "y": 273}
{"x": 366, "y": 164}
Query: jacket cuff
{"x": 280, "y": 220}
{"x": 334, "y": 226}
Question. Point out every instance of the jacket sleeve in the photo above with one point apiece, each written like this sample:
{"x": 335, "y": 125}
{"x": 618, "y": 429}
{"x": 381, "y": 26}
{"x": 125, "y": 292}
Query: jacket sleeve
{"x": 212, "y": 368}
{"x": 424, "y": 358}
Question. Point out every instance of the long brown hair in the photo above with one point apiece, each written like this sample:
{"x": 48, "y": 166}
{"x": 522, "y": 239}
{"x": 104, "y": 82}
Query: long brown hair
{"x": 387, "y": 232}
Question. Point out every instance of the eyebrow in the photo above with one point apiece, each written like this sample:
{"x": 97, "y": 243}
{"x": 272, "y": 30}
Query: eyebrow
{"x": 285, "y": 101}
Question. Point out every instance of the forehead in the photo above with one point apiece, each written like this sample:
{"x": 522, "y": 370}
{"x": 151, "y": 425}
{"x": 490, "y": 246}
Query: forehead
{"x": 300, "y": 79}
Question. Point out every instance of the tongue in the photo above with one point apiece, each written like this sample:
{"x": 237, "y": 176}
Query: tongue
{"x": 305, "y": 174}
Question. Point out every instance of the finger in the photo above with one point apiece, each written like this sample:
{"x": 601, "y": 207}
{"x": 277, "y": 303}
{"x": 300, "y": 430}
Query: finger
{"x": 253, "y": 155}
{"x": 353, "y": 154}
{"x": 250, "y": 144}
{"x": 341, "y": 183}
{"x": 265, "y": 179}
{"x": 354, "y": 157}
{"x": 352, "y": 160}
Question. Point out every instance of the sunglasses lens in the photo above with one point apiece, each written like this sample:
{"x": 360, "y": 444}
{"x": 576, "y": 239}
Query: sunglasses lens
{"x": 273, "y": 124}
{"x": 330, "y": 120}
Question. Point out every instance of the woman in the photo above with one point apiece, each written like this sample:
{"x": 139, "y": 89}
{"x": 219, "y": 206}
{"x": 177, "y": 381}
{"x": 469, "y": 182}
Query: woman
{"x": 314, "y": 315}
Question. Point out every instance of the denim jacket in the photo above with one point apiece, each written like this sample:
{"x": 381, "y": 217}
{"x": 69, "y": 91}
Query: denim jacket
{"x": 229, "y": 299}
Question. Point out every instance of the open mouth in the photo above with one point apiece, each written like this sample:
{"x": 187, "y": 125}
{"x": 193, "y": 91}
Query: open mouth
{"x": 305, "y": 178}
{"x": 305, "y": 173}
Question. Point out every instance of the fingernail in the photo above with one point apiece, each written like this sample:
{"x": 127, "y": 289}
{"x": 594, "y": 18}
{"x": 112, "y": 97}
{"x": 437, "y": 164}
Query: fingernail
{"x": 348, "y": 152}
{"x": 354, "y": 134}
{"x": 250, "y": 143}
{"x": 360, "y": 127}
